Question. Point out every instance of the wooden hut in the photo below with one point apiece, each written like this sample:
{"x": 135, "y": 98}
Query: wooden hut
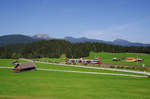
{"x": 25, "y": 67}
{"x": 130, "y": 59}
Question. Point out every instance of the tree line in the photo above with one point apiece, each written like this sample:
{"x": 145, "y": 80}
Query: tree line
{"x": 55, "y": 48}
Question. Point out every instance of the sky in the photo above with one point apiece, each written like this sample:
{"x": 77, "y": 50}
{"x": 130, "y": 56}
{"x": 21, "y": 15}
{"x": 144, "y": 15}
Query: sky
{"x": 95, "y": 19}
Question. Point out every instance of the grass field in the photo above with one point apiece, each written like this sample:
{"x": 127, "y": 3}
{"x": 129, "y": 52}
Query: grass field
{"x": 7, "y": 62}
{"x": 106, "y": 58}
{"x": 54, "y": 60}
{"x": 63, "y": 85}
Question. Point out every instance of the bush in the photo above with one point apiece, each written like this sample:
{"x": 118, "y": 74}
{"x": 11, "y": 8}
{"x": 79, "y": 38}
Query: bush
{"x": 99, "y": 65}
{"x": 63, "y": 56}
{"x": 148, "y": 68}
{"x": 141, "y": 68}
{"x": 112, "y": 66}
{"x": 118, "y": 66}
{"x": 56, "y": 62}
{"x": 121, "y": 67}
{"x": 133, "y": 67}
{"x": 74, "y": 63}
{"x": 85, "y": 63}
{"x": 127, "y": 67}
{"x": 50, "y": 61}
{"x": 68, "y": 63}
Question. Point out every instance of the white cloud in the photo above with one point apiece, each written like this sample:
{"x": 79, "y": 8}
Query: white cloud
{"x": 92, "y": 34}
{"x": 134, "y": 31}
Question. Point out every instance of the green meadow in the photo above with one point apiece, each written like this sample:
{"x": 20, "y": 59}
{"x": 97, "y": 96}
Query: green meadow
{"x": 64, "y": 85}
{"x": 106, "y": 58}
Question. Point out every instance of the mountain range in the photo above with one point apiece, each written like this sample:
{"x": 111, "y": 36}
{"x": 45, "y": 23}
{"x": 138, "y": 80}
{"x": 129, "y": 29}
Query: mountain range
{"x": 42, "y": 37}
{"x": 115, "y": 42}
{"x": 14, "y": 39}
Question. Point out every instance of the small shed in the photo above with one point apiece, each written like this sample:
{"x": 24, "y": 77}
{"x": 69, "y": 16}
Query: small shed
{"x": 131, "y": 59}
{"x": 116, "y": 59}
{"x": 25, "y": 67}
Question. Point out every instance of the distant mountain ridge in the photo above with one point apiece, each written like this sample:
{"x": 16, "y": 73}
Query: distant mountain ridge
{"x": 128, "y": 43}
{"x": 14, "y": 39}
{"x": 42, "y": 37}
{"x": 115, "y": 42}
{"x": 84, "y": 39}
{"x": 17, "y": 38}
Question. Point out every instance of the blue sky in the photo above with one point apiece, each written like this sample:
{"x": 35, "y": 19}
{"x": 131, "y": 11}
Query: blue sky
{"x": 96, "y": 19}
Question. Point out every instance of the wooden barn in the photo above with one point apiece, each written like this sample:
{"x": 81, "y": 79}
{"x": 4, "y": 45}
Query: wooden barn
{"x": 20, "y": 67}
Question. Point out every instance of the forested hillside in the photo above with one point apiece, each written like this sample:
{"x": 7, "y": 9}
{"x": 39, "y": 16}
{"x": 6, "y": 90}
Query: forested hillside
{"x": 14, "y": 39}
{"x": 55, "y": 48}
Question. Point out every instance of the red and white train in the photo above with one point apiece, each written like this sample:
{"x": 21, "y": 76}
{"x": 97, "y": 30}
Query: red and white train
{"x": 95, "y": 61}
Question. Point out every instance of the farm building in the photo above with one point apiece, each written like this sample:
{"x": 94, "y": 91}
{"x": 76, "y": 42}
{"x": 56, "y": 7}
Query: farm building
{"x": 95, "y": 61}
{"x": 23, "y": 66}
{"x": 131, "y": 59}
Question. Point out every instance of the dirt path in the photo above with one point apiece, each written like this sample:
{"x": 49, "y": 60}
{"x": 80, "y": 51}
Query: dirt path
{"x": 120, "y": 70}
{"x": 83, "y": 72}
